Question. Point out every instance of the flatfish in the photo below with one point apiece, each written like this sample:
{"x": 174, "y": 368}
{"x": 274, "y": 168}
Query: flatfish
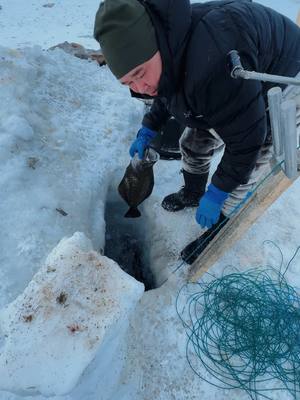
{"x": 138, "y": 181}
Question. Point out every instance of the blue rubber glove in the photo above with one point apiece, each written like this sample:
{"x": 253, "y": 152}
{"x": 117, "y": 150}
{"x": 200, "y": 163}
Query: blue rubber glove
{"x": 142, "y": 141}
{"x": 210, "y": 206}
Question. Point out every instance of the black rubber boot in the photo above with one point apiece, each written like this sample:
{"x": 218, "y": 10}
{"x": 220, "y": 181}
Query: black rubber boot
{"x": 189, "y": 195}
{"x": 195, "y": 248}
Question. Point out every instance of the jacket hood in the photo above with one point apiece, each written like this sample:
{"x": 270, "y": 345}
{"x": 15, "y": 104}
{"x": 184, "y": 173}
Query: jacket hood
{"x": 172, "y": 23}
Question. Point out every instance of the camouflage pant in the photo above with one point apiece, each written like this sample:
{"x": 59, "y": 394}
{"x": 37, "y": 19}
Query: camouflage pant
{"x": 198, "y": 147}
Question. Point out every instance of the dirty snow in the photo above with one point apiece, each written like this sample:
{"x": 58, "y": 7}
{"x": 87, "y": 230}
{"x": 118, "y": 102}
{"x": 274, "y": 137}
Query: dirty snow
{"x": 76, "y": 303}
{"x": 65, "y": 129}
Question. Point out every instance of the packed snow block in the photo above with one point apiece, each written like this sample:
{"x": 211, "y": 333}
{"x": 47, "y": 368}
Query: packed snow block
{"x": 73, "y": 308}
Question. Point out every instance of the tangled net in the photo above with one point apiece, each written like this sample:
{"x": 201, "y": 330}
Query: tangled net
{"x": 244, "y": 329}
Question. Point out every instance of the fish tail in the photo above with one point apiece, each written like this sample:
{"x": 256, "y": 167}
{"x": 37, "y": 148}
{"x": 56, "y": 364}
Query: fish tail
{"x": 133, "y": 212}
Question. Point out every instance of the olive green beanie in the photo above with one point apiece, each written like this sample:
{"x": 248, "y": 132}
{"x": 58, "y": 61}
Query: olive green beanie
{"x": 126, "y": 35}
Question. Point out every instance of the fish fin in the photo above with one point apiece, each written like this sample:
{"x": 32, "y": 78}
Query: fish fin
{"x": 133, "y": 212}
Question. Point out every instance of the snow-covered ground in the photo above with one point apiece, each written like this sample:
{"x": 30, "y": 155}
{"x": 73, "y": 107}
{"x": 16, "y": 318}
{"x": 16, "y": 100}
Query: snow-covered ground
{"x": 65, "y": 129}
{"x": 33, "y": 23}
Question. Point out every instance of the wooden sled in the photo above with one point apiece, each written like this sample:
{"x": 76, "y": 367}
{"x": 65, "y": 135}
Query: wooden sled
{"x": 235, "y": 228}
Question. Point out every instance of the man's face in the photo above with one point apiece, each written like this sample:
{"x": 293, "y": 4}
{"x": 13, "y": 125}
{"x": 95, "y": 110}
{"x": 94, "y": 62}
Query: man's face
{"x": 144, "y": 78}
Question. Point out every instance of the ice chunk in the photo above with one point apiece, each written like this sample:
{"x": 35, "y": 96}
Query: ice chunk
{"x": 67, "y": 314}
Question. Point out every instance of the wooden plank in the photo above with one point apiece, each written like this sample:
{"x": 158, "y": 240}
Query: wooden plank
{"x": 240, "y": 223}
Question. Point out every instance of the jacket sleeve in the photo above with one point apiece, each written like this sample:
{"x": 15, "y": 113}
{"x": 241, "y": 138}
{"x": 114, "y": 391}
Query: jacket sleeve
{"x": 157, "y": 116}
{"x": 235, "y": 108}
{"x": 239, "y": 117}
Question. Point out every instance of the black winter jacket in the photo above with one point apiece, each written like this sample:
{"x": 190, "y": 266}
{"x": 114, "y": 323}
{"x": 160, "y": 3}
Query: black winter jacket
{"x": 196, "y": 87}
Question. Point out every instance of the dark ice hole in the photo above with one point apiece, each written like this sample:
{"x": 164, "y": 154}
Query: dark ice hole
{"x": 124, "y": 241}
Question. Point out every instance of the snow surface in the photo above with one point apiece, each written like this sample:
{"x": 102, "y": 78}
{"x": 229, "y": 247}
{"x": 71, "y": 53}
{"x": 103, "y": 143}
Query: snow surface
{"x": 65, "y": 129}
{"x": 31, "y": 23}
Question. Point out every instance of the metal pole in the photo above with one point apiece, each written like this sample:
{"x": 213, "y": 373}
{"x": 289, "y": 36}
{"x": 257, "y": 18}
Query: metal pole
{"x": 237, "y": 71}
{"x": 274, "y": 100}
{"x": 288, "y": 115}
{"x": 258, "y": 76}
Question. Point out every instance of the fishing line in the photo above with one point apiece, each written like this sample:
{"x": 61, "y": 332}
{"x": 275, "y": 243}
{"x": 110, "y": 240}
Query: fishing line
{"x": 243, "y": 329}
